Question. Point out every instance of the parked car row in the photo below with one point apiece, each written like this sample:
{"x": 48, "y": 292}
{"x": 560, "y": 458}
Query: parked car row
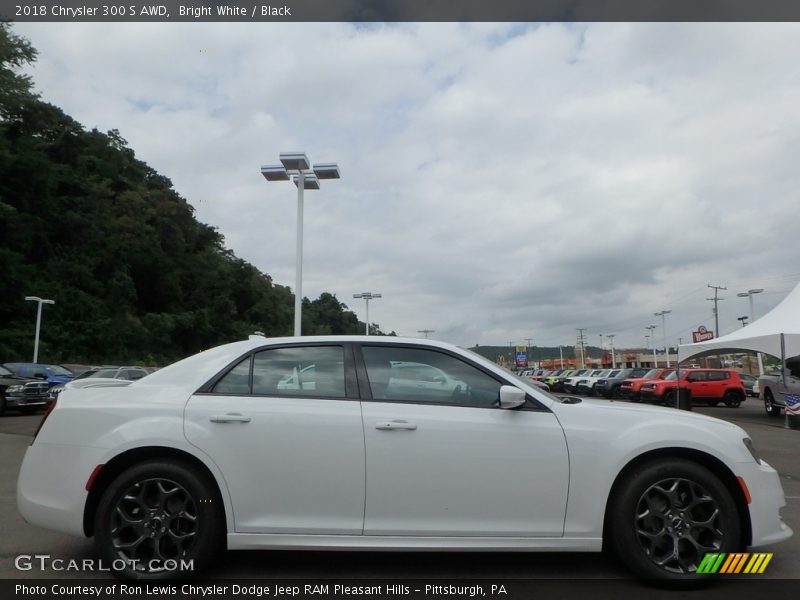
{"x": 655, "y": 386}
{"x": 29, "y": 387}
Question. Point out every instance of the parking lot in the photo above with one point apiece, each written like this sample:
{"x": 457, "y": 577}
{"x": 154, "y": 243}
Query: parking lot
{"x": 778, "y": 446}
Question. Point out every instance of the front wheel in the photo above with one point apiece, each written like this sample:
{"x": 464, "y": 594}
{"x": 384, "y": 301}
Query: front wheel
{"x": 769, "y": 404}
{"x": 666, "y": 515}
{"x": 160, "y": 519}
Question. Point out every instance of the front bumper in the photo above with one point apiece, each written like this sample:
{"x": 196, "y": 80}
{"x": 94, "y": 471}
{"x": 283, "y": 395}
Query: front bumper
{"x": 767, "y": 499}
{"x": 23, "y": 400}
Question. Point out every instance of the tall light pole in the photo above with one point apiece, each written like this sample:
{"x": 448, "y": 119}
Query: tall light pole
{"x": 663, "y": 314}
{"x": 38, "y": 322}
{"x": 610, "y": 336}
{"x": 296, "y": 165}
{"x": 367, "y": 296}
{"x": 561, "y": 355}
{"x": 749, "y": 294}
{"x": 426, "y": 332}
{"x": 652, "y": 335}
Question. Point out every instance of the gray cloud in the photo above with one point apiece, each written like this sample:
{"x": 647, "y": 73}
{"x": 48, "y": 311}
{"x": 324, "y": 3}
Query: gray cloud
{"x": 499, "y": 181}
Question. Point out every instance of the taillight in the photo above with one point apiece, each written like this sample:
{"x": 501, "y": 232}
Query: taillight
{"x": 44, "y": 418}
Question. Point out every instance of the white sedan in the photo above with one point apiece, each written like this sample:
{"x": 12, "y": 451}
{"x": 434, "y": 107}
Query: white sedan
{"x": 216, "y": 451}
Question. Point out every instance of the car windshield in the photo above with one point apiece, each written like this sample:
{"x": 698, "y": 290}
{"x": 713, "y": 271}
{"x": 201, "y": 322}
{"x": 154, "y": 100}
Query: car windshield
{"x": 651, "y": 374}
{"x": 58, "y": 370}
{"x": 109, "y": 373}
{"x": 5, "y": 372}
{"x": 672, "y": 376}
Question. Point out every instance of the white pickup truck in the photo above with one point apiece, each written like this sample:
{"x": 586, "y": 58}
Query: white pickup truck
{"x": 772, "y": 389}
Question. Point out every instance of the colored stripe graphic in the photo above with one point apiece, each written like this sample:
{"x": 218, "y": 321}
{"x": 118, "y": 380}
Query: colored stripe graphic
{"x": 734, "y": 563}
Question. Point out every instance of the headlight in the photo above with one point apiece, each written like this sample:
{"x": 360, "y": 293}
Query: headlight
{"x": 748, "y": 443}
{"x": 15, "y": 388}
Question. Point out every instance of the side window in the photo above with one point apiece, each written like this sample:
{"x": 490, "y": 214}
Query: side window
{"x": 236, "y": 381}
{"x": 134, "y": 374}
{"x": 717, "y": 375}
{"x": 698, "y": 376}
{"x": 314, "y": 371}
{"x": 427, "y": 376}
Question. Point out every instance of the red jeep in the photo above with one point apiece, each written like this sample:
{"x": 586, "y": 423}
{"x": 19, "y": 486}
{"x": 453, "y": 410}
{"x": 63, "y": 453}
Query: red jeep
{"x": 630, "y": 388}
{"x": 705, "y": 385}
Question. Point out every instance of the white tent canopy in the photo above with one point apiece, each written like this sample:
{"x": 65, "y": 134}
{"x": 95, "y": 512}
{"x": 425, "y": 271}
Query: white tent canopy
{"x": 763, "y": 335}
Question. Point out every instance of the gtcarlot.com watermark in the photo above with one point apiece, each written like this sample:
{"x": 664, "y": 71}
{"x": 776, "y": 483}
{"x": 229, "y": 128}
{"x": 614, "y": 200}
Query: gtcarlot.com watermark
{"x": 44, "y": 562}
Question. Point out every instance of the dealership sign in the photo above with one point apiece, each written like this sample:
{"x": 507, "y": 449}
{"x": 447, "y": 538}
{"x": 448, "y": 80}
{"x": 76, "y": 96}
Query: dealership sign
{"x": 702, "y": 334}
{"x": 522, "y": 356}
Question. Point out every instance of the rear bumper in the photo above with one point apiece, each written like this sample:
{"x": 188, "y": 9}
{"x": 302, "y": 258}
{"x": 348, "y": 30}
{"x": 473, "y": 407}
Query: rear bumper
{"x": 51, "y": 489}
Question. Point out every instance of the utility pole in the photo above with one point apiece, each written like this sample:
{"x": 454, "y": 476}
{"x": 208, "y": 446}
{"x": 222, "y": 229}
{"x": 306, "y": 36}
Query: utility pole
{"x": 652, "y": 329}
{"x": 601, "y": 350}
{"x": 426, "y": 332}
{"x": 716, "y": 299}
{"x": 580, "y": 341}
{"x": 610, "y": 336}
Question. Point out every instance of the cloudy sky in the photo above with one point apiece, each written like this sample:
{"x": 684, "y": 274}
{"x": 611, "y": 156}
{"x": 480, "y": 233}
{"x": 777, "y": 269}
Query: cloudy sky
{"x": 499, "y": 181}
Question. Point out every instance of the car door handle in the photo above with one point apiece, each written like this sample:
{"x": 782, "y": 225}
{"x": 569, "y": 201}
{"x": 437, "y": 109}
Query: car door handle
{"x": 397, "y": 424}
{"x": 229, "y": 418}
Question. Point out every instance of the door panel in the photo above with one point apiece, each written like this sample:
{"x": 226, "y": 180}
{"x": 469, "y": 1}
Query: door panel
{"x": 464, "y": 471}
{"x": 455, "y": 464}
{"x": 288, "y": 441}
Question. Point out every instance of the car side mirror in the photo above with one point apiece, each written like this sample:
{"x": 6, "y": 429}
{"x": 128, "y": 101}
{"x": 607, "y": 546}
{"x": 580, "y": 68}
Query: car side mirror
{"x": 511, "y": 397}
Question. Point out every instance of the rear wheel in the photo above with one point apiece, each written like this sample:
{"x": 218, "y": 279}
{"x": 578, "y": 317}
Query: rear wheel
{"x": 732, "y": 399}
{"x": 667, "y": 515}
{"x": 154, "y": 516}
{"x": 669, "y": 399}
{"x": 769, "y": 404}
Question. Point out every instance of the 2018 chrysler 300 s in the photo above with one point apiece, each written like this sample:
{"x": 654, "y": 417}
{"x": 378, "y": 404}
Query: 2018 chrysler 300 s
{"x": 368, "y": 443}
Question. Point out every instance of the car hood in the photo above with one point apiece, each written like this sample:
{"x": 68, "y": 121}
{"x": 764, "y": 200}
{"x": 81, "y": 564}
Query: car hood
{"x": 628, "y": 411}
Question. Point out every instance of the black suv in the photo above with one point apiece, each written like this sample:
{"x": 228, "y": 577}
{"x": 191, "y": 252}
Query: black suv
{"x": 609, "y": 386}
{"x": 22, "y": 393}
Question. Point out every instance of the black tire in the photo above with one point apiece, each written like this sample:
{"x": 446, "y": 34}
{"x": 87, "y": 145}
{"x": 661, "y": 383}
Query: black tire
{"x": 669, "y": 399}
{"x": 666, "y": 514}
{"x": 732, "y": 399}
{"x": 167, "y": 511}
{"x": 769, "y": 404}
{"x": 2, "y": 403}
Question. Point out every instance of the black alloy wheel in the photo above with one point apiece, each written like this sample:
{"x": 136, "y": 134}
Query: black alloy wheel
{"x": 732, "y": 399}
{"x": 667, "y": 515}
{"x": 157, "y": 517}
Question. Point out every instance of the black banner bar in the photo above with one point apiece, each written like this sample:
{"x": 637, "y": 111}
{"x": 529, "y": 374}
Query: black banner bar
{"x": 399, "y": 10}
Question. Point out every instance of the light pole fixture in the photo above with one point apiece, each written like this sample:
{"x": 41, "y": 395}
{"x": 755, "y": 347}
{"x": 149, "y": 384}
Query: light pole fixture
{"x": 38, "y": 322}
{"x": 743, "y": 320}
{"x": 749, "y": 294}
{"x": 652, "y": 335}
{"x": 426, "y": 332}
{"x": 367, "y": 296}
{"x": 663, "y": 314}
{"x": 295, "y": 165}
{"x": 610, "y": 336}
